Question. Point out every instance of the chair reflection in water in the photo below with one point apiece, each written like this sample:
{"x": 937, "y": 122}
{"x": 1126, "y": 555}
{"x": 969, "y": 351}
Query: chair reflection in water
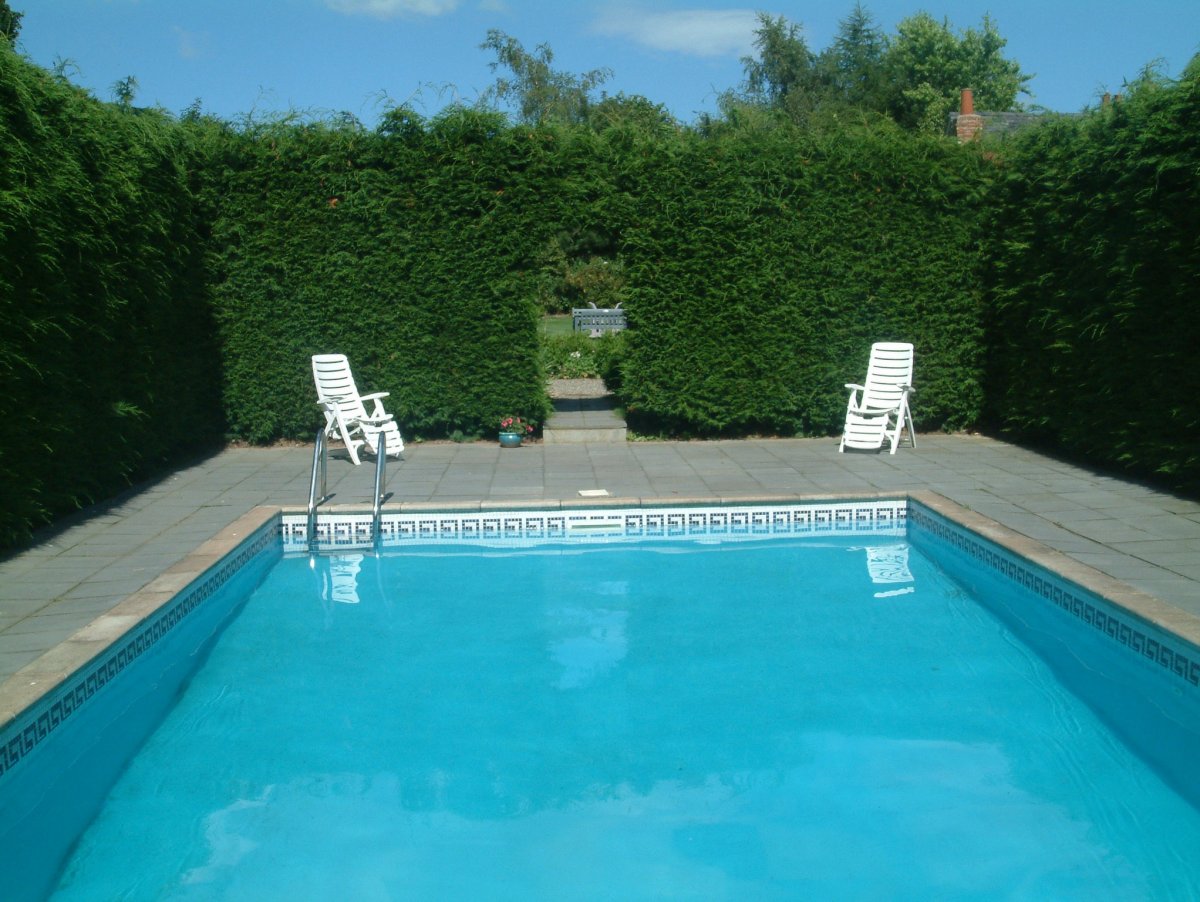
{"x": 337, "y": 577}
{"x": 887, "y": 565}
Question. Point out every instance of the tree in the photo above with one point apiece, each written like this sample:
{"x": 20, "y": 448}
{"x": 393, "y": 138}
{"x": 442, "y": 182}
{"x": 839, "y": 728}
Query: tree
{"x": 914, "y": 77}
{"x": 856, "y": 59}
{"x": 63, "y": 68}
{"x": 124, "y": 90}
{"x": 785, "y": 67}
{"x": 927, "y": 66}
{"x": 786, "y": 78}
{"x": 539, "y": 93}
{"x": 10, "y": 22}
{"x": 631, "y": 111}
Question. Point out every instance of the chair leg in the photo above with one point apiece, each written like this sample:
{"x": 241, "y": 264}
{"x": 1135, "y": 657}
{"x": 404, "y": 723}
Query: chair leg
{"x": 903, "y": 420}
{"x": 906, "y": 421}
{"x": 351, "y": 446}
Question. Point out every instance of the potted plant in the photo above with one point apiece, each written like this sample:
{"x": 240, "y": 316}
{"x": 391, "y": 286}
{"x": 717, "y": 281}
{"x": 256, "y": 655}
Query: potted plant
{"x": 513, "y": 430}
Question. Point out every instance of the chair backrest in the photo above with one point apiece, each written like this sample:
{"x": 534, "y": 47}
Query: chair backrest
{"x": 331, "y": 373}
{"x": 891, "y": 367}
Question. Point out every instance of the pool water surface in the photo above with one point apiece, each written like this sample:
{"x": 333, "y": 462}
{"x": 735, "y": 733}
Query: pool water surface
{"x": 778, "y": 718}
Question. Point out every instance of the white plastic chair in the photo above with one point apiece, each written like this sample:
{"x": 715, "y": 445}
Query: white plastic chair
{"x": 345, "y": 409}
{"x": 878, "y": 410}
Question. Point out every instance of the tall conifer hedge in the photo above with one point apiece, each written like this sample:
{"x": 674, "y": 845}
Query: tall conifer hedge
{"x": 408, "y": 249}
{"x": 108, "y": 366}
{"x": 761, "y": 264}
{"x": 765, "y": 263}
{"x": 163, "y": 282}
{"x": 1094, "y": 261}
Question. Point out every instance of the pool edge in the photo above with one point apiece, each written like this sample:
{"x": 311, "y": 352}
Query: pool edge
{"x": 31, "y": 686}
{"x": 1122, "y": 595}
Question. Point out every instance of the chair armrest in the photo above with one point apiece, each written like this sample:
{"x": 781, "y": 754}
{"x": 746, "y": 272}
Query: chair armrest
{"x": 376, "y": 400}
{"x": 862, "y": 411}
{"x": 858, "y": 387}
{"x": 373, "y": 420}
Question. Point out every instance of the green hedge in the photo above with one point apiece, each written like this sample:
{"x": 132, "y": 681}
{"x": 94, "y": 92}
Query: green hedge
{"x": 108, "y": 369}
{"x": 759, "y": 266}
{"x": 763, "y": 264}
{"x": 1093, "y": 257}
{"x": 411, "y": 249}
{"x": 163, "y": 282}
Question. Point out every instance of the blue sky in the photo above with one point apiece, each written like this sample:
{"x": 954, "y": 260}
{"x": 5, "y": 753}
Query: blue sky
{"x": 263, "y": 56}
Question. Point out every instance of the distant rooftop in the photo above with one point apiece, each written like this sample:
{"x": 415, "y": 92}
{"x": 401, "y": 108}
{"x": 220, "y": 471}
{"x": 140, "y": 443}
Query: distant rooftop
{"x": 969, "y": 124}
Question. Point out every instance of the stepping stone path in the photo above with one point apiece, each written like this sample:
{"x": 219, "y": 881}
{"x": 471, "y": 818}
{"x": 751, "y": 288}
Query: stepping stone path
{"x": 584, "y": 411}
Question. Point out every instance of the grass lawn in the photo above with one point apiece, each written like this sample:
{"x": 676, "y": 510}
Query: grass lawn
{"x": 556, "y": 324}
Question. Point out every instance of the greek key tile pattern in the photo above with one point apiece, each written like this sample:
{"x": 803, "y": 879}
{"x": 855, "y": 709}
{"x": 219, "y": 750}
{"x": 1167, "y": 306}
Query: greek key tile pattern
{"x": 531, "y": 527}
{"x": 1172, "y": 653}
{"x": 33, "y": 726}
{"x": 898, "y": 518}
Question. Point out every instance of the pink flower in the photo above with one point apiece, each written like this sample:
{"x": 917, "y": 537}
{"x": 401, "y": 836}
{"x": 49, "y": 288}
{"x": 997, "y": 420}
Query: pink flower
{"x": 515, "y": 424}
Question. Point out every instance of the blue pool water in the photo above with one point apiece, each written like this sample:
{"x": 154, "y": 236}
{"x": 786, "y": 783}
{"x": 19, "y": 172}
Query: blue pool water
{"x": 781, "y": 718}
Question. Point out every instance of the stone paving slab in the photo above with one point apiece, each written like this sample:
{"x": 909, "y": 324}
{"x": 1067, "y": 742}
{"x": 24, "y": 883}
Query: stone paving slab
{"x": 95, "y": 560}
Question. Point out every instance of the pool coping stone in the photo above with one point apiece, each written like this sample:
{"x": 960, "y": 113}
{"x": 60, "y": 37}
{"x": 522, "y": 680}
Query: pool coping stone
{"x": 32, "y": 684}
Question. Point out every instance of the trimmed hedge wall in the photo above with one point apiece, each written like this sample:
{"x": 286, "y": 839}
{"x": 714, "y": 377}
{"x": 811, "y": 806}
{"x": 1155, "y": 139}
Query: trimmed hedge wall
{"x": 763, "y": 266}
{"x": 108, "y": 369}
{"x": 164, "y": 283}
{"x": 1093, "y": 257}
{"x": 760, "y": 267}
{"x": 409, "y": 249}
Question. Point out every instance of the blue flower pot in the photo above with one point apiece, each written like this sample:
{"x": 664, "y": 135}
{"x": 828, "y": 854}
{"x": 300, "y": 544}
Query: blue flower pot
{"x": 510, "y": 439}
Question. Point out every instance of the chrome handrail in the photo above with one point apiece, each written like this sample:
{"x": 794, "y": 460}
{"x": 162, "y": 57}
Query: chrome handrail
{"x": 321, "y": 459}
{"x": 380, "y": 467}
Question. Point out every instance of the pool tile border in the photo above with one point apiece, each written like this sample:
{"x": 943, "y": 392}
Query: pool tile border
{"x": 1145, "y": 626}
{"x": 634, "y": 521}
{"x": 44, "y": 695}
{"x": 40, "y": 697}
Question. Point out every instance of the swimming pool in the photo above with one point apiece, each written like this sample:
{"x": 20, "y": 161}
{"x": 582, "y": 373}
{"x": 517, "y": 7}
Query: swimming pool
{"x": 753, "y": 805}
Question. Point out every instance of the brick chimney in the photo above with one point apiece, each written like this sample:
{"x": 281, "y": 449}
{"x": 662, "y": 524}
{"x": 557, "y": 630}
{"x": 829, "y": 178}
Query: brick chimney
{"x": 969, "y": 124}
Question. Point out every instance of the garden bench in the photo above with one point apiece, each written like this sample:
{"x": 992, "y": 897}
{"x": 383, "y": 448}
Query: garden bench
{"x": 597, "y": 320}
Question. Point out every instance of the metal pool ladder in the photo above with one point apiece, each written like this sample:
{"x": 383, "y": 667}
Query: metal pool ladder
{"x": 321, "y": 464}
{"x": 377, "y": 507}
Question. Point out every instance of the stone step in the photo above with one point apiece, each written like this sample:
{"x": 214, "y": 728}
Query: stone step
{"x": 584, "y": 411}
{"x": 578, "y": 436}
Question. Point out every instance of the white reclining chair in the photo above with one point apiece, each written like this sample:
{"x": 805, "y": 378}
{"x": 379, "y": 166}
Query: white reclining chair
{"x": 878, "y": 411}
{"x": 345, "y": 409}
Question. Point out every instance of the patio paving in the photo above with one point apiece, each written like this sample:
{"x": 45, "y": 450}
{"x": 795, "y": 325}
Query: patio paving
{"x": 87, "y": 564}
